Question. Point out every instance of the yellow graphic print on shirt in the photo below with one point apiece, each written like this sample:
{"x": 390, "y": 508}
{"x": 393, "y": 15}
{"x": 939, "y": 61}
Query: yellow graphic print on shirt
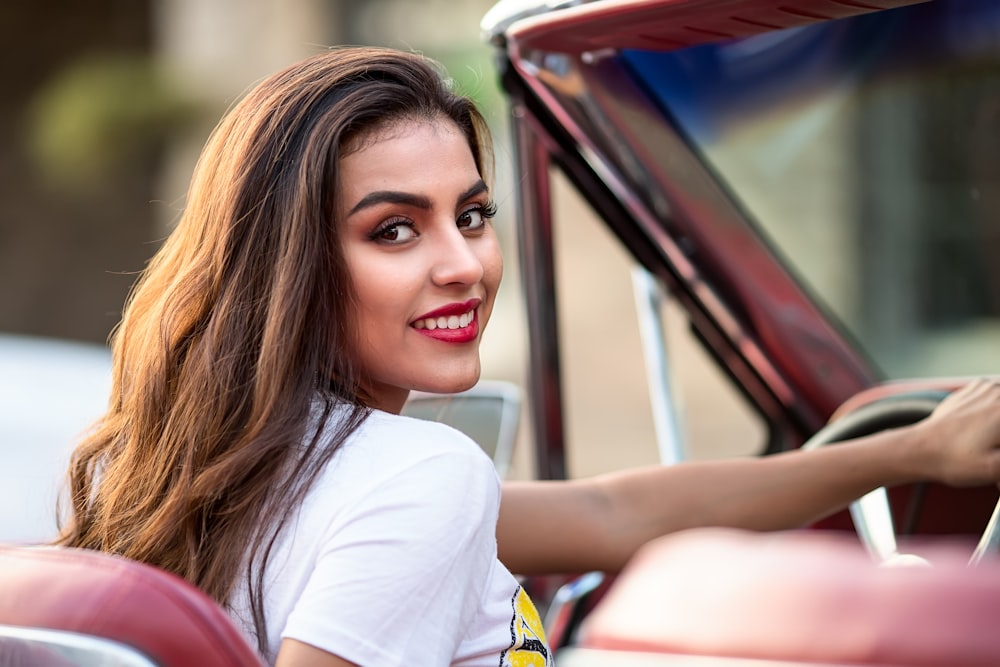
{"x": 528, "y": 647}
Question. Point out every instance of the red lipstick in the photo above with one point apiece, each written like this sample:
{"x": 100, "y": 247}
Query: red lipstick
{"x": 453, "y": 323}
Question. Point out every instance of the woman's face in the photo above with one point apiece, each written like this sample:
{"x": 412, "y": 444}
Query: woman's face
{"x": 423, "y": 256}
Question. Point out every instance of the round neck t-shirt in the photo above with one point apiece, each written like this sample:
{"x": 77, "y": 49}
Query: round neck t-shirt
{"x": 392, "y": 557}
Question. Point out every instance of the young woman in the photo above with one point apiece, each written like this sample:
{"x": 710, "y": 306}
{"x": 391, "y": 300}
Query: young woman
{"x": 335, "y": 253}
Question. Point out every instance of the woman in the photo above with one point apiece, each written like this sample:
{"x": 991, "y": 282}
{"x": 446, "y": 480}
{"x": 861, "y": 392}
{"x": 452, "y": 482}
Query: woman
{"x": 336, "y": 253}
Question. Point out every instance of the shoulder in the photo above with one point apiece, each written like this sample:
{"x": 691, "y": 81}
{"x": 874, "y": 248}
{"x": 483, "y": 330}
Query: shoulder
{"x": 408, "y": 440}
{"x": 391, "y": 454}
{"x": 398, "y": 533}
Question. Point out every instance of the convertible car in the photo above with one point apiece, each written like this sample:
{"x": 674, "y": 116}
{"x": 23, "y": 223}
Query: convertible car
{"x": 811, "y": 188}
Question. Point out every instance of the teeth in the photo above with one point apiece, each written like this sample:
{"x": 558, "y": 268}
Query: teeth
{"x": 450, "y": 322}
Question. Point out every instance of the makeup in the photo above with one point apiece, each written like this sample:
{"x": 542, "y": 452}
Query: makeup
{"x": 454, "y": 323}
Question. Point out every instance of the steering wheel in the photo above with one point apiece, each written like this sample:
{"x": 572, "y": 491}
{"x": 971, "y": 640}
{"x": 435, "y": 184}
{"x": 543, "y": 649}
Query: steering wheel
{"x": 871, "y": 513}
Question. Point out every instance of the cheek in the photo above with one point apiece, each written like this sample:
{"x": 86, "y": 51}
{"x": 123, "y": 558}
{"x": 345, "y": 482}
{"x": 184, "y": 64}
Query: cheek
{"x": 492, "y": 260}
{"x": 377, "y": 283}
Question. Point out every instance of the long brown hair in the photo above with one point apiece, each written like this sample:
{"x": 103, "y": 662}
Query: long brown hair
{"x": 241, "y": 326}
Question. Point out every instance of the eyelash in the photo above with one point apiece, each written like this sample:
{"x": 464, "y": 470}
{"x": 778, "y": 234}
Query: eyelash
{"x": 487, "y": 211}
{"x": 389, "y": 225}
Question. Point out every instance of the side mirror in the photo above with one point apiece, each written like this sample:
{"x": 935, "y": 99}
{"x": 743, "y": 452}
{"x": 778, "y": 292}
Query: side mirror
{"x": 488, "y": 413}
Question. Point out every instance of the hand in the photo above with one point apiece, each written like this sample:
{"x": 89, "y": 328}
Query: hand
{"x": 963, "y": 436}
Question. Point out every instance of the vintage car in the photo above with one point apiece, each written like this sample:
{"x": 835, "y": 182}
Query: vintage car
{"x": 812, "y": 189}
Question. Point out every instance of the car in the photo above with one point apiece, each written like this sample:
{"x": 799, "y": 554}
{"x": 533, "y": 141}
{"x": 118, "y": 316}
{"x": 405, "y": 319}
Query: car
{"x": 811, "y": 188}
{"x": 706, "y": 160}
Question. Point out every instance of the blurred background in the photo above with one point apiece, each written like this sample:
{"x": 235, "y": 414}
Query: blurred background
{"x": 108, "y": 103}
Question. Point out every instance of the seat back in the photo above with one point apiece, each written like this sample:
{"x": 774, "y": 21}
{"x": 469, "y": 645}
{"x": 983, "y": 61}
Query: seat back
{"x": 725, "y": 598}
{"x": 489, "y": 413}
{"x": 61, "y": 606}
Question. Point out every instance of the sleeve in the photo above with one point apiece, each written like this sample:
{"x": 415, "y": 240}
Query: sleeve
{"x": 400, "y": 576}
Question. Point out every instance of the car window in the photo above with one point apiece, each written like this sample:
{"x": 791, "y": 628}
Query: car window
{"x": 609, "y": 414}
{"x": 868, "y": 150}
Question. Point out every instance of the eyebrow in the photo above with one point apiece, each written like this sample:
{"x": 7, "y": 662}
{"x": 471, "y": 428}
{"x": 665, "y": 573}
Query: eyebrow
{"x": 408, "y": 199}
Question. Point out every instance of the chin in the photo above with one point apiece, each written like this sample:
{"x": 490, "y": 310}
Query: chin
{"x": 454, "y": 384}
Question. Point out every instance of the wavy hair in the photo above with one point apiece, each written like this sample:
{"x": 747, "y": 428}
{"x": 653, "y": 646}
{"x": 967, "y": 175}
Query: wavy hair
{"x": 241, "y": 325}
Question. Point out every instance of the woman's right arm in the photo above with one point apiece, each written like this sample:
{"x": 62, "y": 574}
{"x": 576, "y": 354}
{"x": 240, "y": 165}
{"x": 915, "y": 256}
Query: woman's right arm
{"x": 598, "y": 523}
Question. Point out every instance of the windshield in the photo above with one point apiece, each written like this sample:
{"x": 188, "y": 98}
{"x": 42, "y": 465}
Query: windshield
{"x": 868, "y": 151}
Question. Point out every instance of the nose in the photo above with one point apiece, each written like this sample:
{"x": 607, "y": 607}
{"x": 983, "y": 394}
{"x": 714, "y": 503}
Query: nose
{"x": 455, "y": 258}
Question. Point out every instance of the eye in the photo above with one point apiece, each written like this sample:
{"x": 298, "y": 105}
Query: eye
{"x": 475, "y": 217}
{"x": 394, "y": 231}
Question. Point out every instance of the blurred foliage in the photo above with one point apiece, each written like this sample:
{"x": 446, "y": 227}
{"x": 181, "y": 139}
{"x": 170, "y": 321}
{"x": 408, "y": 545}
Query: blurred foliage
{"x": 474, "y": 75}
{"x": 101, "y": 115}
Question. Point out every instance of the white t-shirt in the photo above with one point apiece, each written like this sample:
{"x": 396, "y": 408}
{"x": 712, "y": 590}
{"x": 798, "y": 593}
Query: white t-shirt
{"x": 392, "y": 558}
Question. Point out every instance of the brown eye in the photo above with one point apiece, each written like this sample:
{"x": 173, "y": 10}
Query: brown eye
{"x": 399, "y": 231}
{"x": 471, "y": 219}
{"x": 475, "y": 217}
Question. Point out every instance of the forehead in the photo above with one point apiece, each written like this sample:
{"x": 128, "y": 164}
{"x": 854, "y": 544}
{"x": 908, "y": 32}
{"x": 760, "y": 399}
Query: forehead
{"x": 399, "y": 128}
{"x": 416, "y": 155}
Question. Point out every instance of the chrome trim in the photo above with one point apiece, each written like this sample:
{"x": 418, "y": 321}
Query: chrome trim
{"x": 507, "y": 12}
{"x": 76, "y": 648}
{"x": 649, "y": 299}
{"x": 597, "y": 657}
{"x": 560, "y": 614}
{"x": 989, "y": 543}
{"x": 872, "y": 519}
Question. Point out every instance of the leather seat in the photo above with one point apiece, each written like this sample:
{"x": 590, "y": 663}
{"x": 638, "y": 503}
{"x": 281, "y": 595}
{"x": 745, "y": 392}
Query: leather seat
{"x": 722, "y": 598}
{"x": 53, "y": 597}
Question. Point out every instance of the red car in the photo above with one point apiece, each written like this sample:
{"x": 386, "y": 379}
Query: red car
{"x": 816, "y": 186}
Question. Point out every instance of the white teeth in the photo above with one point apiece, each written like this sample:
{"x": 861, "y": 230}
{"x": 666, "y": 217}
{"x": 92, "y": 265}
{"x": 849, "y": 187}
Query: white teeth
{"x": 450, "y": 322}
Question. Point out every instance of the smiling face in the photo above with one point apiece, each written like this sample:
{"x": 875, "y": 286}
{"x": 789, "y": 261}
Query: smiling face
{"x": 423, "y": 257}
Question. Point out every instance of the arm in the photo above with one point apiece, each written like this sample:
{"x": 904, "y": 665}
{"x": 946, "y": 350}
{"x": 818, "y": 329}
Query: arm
{"x": 298, "y": 654}
{"x": 598, "y": 523}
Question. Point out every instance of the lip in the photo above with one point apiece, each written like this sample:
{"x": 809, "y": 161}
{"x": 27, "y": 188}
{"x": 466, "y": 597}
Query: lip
{"x": 465, "y": 334}
{"x": 451, "y": 309}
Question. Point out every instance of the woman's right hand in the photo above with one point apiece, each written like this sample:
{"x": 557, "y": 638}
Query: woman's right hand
{"x": 961, "y": 438}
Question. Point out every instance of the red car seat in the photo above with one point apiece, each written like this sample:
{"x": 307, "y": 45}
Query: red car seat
{"x": 53, "y": 601}
{"x": 722, "y": 598}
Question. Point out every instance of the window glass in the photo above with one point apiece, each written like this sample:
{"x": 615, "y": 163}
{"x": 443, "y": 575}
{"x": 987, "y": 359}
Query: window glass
{"x": 868, "y": 150}
{"x": 610, "y": 423}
